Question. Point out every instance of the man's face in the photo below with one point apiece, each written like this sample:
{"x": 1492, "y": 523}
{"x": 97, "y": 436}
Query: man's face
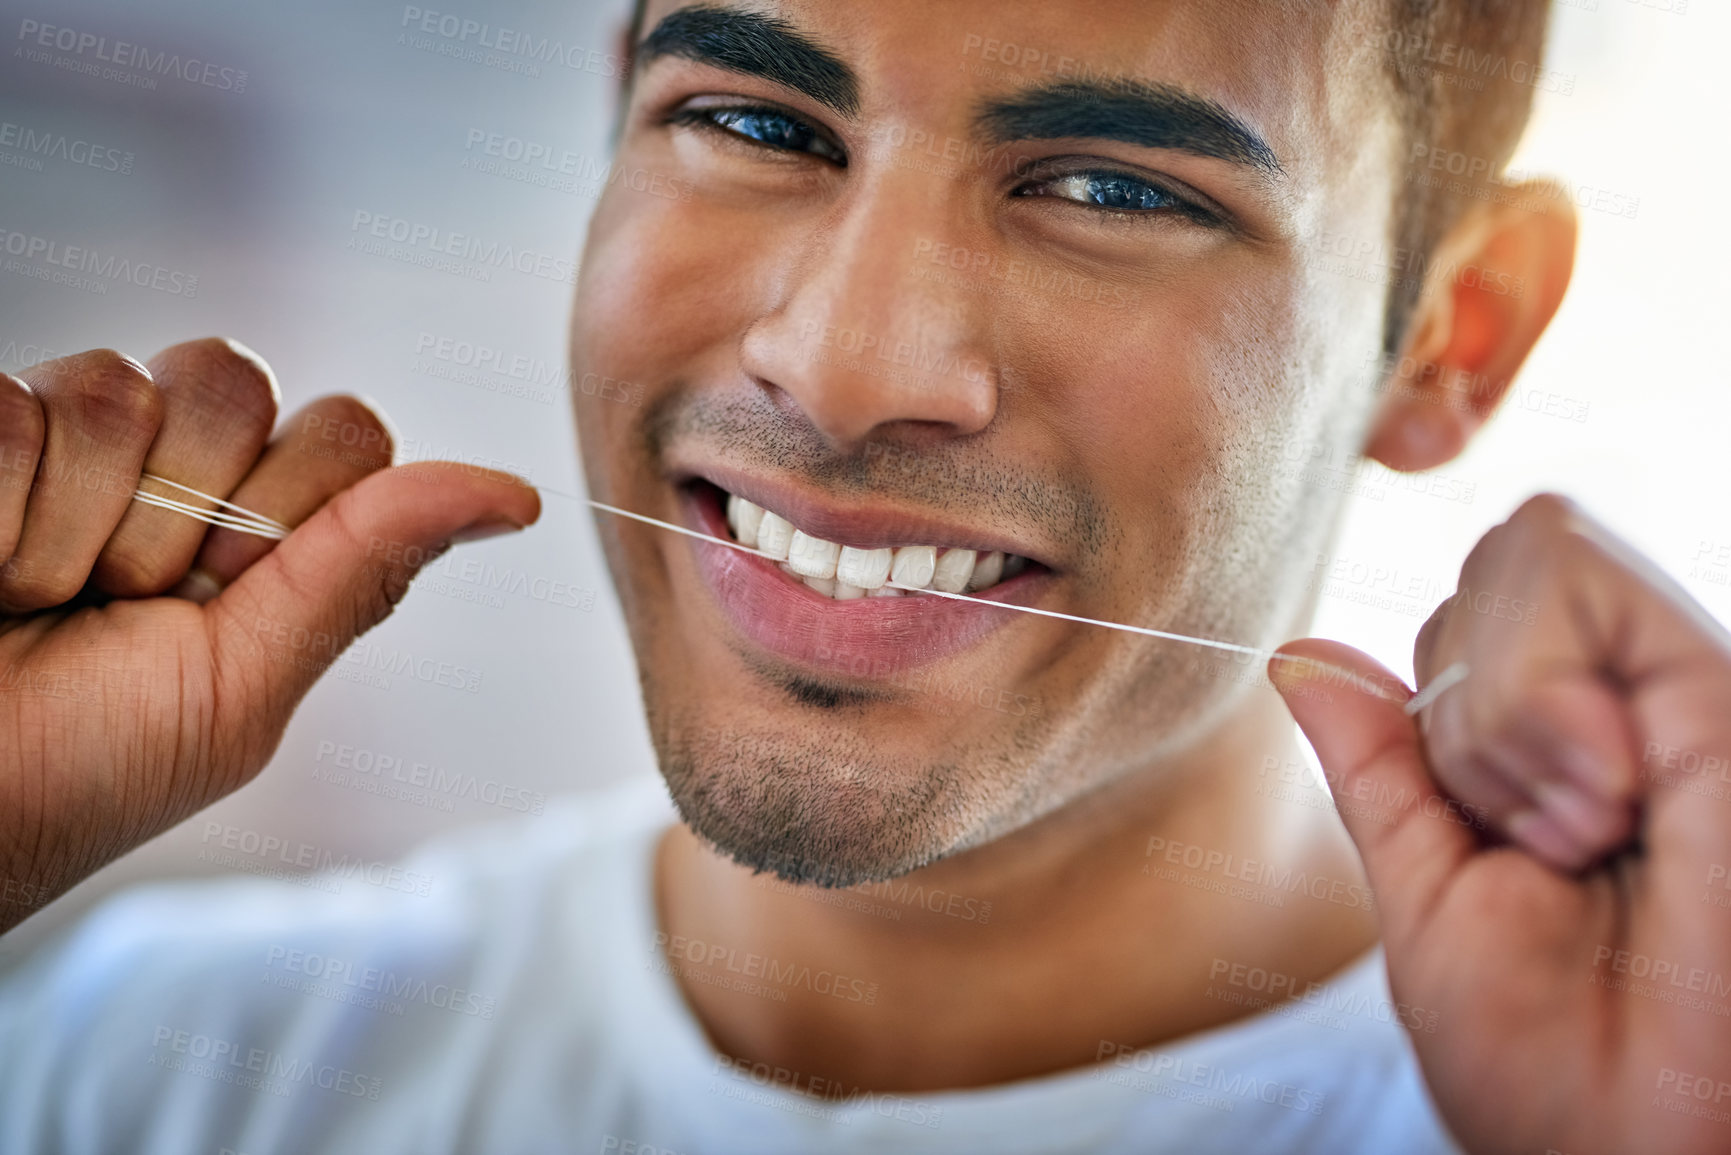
{"x": 1035, "y": 278}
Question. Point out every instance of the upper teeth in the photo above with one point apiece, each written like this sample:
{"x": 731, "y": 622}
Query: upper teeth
{"x": 843, "y": 572}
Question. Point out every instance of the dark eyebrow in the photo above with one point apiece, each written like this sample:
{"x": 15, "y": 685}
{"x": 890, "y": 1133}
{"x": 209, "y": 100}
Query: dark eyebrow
{"x": 1131, "y": 111}
{"x": 755, "y": 45}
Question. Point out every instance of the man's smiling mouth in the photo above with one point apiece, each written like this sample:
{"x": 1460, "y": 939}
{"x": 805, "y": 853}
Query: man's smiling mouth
{"x": 818, "y": 592}
{"x": 846, "y": 572}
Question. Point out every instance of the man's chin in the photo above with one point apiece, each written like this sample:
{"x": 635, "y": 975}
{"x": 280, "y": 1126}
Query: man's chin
{"x": 818, "y": 811}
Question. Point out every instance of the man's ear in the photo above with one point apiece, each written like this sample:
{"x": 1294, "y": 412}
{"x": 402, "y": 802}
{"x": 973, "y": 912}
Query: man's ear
{"x": 1490, "y": 289}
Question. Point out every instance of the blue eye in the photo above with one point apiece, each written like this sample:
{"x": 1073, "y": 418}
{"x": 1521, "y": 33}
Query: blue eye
{"x": 769, "y": 128}
{"x": 1110, "y": 191}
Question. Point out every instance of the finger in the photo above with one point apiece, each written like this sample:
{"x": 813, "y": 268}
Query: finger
{"x": 100, "y": 413}
{"x": 1424, "y": 663}
{"x": 21, "y": 432}
{"x": 219, "y": 401}
{"x": 1496, "y": 773}
{"x": 326, "y": 447}
{"x": 290, "y": 615}
{"x": 1411, "y": 838}
{"x": 1539, "y": 736}
{"x": 1575, "y": 815}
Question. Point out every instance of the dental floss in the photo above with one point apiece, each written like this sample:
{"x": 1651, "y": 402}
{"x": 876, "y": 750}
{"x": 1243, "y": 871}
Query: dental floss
{"x": 1452, "y": 676}
{"x": 246, "y": 521}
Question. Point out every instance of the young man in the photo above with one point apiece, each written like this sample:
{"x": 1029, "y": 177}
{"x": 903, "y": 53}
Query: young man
{"x": 1036, "y": 301}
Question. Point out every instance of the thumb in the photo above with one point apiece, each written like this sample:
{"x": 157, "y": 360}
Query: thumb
{"x": 280, "y": 625}
{"x": 1411, "y": 837}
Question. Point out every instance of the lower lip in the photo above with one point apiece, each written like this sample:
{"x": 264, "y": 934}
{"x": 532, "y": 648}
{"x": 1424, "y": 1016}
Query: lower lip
{"x": 861, "y": 637}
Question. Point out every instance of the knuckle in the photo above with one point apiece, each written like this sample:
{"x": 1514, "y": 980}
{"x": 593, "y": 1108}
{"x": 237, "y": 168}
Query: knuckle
{"x": 1540, "y": 523}
{"x": 54, "y": 369}
{"x": 236, "y": 382}
{"x": 1545, "y": 511}
{"x": 20, "y": 411}
{"x": 22, "y": 430}
{"x": 1525, "y": 546}
{"x": 112, "y": 396}
{"x": 1487, "y": 552}
{"x": 350, "y": 424}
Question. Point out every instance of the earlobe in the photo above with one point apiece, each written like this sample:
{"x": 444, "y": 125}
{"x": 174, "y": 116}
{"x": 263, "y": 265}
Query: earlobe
{"x": 1491, "y": 287}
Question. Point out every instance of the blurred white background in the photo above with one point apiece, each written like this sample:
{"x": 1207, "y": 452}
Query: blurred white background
{"x": 344, "y": 111}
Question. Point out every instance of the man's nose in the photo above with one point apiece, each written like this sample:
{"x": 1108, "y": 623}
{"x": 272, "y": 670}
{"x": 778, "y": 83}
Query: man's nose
{"x": 860, "y": 340}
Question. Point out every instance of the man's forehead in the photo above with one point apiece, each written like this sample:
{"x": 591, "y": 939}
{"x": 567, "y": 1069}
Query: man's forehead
{"x": 1278, "y": 68}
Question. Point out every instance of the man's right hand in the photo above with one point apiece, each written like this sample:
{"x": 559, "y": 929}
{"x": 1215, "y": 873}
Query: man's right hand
{"x": 149, "y": 662}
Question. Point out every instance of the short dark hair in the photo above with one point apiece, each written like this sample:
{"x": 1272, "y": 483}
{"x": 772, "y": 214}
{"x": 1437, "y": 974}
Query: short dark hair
{"x": 1464, "y": 73}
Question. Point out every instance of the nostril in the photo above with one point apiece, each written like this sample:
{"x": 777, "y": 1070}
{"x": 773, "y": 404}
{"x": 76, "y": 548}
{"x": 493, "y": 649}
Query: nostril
{"x": 850, "y": 380}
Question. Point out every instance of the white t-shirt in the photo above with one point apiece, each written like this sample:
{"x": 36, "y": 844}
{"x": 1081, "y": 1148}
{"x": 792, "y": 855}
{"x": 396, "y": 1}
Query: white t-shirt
{"x": 504, "y": 993}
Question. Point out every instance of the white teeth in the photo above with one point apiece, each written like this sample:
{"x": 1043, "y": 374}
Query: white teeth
{"x": 774, "y": 535}
{"x": 914, "y": 565}
{"x": 987, "y": 570}
{"x": 812, "y": 556}
{"x": 953, "y": 570}
{"x": 744, "y": 519}
{"x": 866, "y": 568}
{"x": 848, "y": 572}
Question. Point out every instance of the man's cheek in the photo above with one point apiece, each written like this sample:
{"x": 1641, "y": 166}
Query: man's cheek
{"x": 637, "y": 316}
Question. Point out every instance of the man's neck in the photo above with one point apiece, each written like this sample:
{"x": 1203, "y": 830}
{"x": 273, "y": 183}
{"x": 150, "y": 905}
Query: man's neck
{"x": 1115, "y": 921}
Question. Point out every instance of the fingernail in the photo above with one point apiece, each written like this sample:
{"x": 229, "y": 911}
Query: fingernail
{"x": 1296, "y": 669}
{"x": 1547, "y": 743}
{"x": 1570, "y": 809}
{"x": 197, "y": 586}
{"x": 484, "y": 529}
{"x": 1538, "y": 831}
{"x": 1588, "y": 770}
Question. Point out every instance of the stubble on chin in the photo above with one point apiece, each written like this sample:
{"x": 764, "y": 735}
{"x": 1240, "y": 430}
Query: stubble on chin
{"x": 817, "y": 805}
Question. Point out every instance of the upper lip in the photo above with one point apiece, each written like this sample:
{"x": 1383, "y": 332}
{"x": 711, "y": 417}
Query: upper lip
{"x": 869, "y": 523}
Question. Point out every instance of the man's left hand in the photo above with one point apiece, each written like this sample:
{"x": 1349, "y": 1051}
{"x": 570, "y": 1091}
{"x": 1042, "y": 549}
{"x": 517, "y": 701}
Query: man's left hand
{"x": 1550, "y": 842}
